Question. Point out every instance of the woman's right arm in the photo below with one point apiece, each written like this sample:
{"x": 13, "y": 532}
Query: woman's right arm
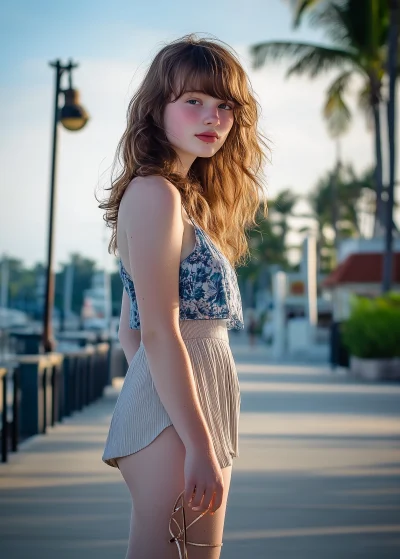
{"x": 151, "y": 209}
{"x": 129, "y": 338}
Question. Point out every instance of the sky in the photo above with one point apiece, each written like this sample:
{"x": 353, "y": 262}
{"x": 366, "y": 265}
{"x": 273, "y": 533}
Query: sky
{"x": 113, "y": 43}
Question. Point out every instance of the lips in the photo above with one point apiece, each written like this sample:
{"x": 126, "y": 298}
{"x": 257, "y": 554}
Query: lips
{"x": 209, "y": 138}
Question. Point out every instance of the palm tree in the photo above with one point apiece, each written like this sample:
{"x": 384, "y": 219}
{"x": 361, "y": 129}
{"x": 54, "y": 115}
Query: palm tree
{"x": 266, "y": 248}
{"x": 268, "y": 239}
{"x": 280, "y": 209}
{"x": 265, "y": 244}
{"x": 358, "y": 45}
{"x": 351, "y": 192}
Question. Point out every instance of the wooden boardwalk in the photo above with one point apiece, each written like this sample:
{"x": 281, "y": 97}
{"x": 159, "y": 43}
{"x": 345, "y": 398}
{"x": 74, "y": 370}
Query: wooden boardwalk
{"x": 318, "y": 475}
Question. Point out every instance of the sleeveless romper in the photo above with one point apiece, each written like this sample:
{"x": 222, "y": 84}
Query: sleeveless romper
{"x": 209, "y": 306}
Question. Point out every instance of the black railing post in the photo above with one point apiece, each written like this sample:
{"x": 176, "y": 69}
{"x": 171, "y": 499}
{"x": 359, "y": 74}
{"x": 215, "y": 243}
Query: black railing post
{"x": 4, "y": 427}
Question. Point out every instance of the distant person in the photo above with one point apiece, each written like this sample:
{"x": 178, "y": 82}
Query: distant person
{"x": 252, "y": 330}
{"x": 251, "y": 325}
{"x": 189, "y": 186}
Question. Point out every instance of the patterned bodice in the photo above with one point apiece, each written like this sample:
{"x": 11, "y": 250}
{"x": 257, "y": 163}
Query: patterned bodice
{"x": 208, "y": 286}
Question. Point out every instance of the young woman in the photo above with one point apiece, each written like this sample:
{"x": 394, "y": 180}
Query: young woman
{"x": 190, "y": 184}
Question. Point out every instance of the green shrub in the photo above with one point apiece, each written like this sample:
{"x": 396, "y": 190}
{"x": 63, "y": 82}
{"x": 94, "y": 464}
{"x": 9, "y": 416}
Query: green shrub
{"x": 373, "y": 328}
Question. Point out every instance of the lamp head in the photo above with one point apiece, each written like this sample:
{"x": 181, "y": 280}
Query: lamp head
{"x": 73, "y": 116}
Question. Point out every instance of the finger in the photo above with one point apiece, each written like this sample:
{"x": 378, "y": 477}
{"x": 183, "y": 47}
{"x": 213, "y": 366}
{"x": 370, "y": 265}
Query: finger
{"x": 197, "y": 499}
{"x": 208, "y": 498}
{"x": 211, "y": 508}
{"x": 217, "y": 498}
{"x": 190, "y": 490}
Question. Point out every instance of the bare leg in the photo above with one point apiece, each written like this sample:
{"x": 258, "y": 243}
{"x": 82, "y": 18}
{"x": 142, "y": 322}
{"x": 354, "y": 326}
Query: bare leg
{"x": 155, "y": 478}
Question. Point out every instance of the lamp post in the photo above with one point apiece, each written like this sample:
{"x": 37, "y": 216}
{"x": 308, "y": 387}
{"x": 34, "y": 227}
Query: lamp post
{"x": 393, "y": 43}
{"x": 73, "y": 117}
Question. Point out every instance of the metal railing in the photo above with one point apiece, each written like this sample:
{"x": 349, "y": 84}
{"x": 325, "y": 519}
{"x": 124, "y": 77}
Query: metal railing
{"x": 9, "y": 410}
{"x": 39, "y": 390}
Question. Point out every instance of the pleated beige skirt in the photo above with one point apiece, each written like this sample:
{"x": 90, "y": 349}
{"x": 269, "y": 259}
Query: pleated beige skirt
{"x": 139, "y": 416}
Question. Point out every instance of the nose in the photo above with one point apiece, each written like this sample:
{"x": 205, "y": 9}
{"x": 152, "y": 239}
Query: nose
{"x": 212, "y": 117}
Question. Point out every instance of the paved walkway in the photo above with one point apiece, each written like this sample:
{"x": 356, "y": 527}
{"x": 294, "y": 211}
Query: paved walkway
{"x": 318, "y": 475}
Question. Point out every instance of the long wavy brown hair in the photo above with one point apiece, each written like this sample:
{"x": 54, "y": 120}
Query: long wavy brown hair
{"x": 222, "y": 193}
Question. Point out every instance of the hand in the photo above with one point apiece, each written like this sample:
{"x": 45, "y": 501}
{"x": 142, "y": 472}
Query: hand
{"x": 204, "y": 483}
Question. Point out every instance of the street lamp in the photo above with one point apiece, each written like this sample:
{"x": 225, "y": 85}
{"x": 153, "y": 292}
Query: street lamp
{"x": 73, "y": 117}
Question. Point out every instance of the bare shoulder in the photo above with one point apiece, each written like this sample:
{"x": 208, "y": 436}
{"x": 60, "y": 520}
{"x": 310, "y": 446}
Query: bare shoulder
{"x": 148, "y": 195}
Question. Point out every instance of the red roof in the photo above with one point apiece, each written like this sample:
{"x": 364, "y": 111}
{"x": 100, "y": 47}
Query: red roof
{"x": 362, "y": 268}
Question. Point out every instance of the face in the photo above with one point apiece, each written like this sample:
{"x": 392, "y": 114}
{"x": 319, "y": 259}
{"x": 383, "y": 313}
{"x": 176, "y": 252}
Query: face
{"x": 197, "y": 125}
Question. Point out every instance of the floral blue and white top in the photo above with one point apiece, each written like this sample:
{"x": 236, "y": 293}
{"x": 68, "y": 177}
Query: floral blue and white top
{"x": 208, "y": 286}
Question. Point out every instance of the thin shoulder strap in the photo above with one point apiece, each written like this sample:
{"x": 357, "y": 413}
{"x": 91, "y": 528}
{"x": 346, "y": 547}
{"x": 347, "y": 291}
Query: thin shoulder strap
{"x": 188, "y": 214}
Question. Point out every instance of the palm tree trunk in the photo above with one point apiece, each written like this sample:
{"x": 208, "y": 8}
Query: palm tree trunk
{"x": 391, "y": 115}
{"x": 379, "y": 221}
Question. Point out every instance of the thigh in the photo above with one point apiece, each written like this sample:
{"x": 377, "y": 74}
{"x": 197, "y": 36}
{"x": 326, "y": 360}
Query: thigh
{"x": 155, "y": 478}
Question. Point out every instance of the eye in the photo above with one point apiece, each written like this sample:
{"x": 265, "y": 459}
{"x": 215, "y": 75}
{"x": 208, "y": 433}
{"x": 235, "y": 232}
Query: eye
{"x": 194, "y": 101}
{"x": 229, "y": 107}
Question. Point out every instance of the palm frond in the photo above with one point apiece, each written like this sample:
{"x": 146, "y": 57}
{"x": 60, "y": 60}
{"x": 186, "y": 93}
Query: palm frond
{"x": 275, "y": 51}
{"x": 300, "y": 7}
{"x": 305, "y": 229}
{"x": 284, "y": 203}
{"x": 329, "y": 16}
{"x": 335, "y": 111}
{"x": 322, "y": 59}
{"x": 308, "y": 58}
{"x": 337, "y": 115}
{"x": 341, "y": 83}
